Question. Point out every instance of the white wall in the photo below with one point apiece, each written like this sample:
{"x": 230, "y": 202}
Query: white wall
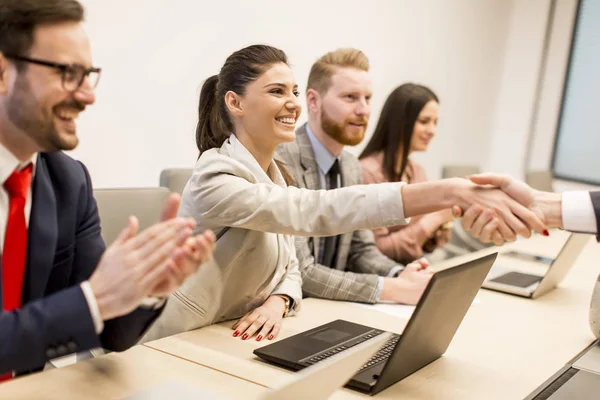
{"x": 519, "y": 79}
{"x": 155, "y": 55}
{"x": 482, "y": 57}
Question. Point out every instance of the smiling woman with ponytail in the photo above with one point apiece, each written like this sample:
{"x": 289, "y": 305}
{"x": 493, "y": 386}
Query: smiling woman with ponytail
{"x": 239, "y": 191}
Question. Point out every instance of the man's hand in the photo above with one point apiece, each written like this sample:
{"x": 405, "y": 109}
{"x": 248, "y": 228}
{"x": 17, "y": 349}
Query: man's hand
{"x": 483, "y": 225}
{"x": 134, "y": 264}
{"x": 187, "y": 258}
{"x": 511, "y": 217}
{"x": 492, "y": 215}
{"x": 433, "y": 224}
{"x": 408, "y": 287}
{"x": 185, "y": 262}
{"x": 547, "y": 206}
{"x": 440, "y": 238}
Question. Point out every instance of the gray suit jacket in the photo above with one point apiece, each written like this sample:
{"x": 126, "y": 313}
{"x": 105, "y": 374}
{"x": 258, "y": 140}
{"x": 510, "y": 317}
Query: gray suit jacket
{"x": 359, "y": 261}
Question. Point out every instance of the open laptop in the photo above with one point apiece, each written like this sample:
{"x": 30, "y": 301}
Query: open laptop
{"x": 315, "y": 383}
{"x": 579, "y": 379}
{"x": 505, "y": 280}
{"x": 426, "y": 337}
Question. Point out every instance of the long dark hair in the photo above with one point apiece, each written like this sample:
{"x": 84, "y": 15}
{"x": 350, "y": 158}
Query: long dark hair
{"x": 240, "y": 69}
{"x": 393, "y": 133}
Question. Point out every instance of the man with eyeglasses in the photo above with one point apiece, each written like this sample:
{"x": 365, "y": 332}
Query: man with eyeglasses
{"x": 61, "y": 291}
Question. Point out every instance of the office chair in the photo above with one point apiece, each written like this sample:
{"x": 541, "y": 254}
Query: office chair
{"x": 175, "y": 178}
{"x": 461, "y": 171}
{"x": 114, "y": 207}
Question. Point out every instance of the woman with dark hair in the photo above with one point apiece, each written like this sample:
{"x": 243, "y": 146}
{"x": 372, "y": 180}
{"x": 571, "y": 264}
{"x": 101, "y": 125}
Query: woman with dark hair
{"x": 408, "y": 122}
{"x": 240, "y": 192}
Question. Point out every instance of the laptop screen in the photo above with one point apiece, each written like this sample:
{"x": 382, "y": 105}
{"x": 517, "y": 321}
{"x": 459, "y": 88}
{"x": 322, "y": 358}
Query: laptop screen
{"x": 438, "y": 315}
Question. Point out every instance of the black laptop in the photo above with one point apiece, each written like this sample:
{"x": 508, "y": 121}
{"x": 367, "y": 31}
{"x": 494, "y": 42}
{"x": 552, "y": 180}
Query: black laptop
{"x": 426, "y": 337}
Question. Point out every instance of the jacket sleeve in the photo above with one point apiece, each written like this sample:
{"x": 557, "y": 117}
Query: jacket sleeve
{"x": 224, "y": 193}
{"x": 291, "y": 283}
{"x": 329, "y": 283}
{"x": 61, "y": 323}
{"x": 366, "y": 258}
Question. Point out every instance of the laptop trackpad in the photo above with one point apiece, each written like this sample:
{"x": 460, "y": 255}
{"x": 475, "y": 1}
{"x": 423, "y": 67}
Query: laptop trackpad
{"x": 583, "y": 386}
{"x": 517, "y": 279}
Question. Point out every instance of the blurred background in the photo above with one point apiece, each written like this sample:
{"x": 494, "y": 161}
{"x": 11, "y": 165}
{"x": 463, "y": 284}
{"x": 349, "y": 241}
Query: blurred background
{"x": 517, "y": 79}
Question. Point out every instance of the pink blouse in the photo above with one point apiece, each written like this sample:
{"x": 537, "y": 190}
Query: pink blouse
{"x": 402, "y": 243}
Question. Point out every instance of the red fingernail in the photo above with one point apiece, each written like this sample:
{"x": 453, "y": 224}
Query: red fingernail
{"x": 259, "y": 338}
{"x": 236, "y": 333}
{"x": 244, "y": 336}
{"x": 546, "y": 233}
{"x": 271, "y": 337}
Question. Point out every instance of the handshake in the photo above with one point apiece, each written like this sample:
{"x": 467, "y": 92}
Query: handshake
{"x": 495, "y": 208}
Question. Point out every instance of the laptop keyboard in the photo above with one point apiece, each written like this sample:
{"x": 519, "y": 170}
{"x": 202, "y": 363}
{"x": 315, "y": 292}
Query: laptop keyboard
{"x": 517, "y": 279}
{"x": 383, "y": 354}
{"x": 342, "y": 347}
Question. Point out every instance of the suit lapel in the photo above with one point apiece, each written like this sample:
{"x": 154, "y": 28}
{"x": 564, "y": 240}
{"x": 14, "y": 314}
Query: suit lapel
{"x": 308, "y": 161}
{"x": 42, "y": 234}
{"x": 310, "y": 173}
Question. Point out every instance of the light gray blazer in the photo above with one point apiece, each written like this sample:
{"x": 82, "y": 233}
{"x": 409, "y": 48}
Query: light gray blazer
{"x": 359, "y": 262}
{"x": 256, "y": 257}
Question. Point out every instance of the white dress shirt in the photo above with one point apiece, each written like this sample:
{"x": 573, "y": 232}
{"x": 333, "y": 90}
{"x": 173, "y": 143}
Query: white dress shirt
{"x": 578, "y": 212}
{"x": 8, "y": 164}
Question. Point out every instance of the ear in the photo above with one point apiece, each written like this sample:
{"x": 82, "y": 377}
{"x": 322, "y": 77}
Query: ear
{"x": 4, "y": 73}
{"x": 313, "y": 101}
{"x": 233, "y": 102}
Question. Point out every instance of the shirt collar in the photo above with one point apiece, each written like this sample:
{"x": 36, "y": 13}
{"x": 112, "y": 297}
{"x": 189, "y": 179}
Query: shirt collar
{"x": 239, "y": 152}
{"x": 323, "y": 156}
{"x": 9, "y": 163}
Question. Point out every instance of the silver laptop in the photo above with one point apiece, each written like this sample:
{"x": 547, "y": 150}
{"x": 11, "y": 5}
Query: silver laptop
{"x": 578, "y": 379}
{"x": 509, "y": 281}
{"x": 317, "y": 382}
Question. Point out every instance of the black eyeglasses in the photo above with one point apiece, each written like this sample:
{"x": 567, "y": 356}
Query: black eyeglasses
{"x": 73, "y": 75}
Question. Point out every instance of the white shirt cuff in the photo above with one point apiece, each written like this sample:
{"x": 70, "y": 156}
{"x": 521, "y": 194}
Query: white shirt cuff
{"x": 379, "y": 289}
{"x": 394, "y": 271}
{"x": 578, "y": 212}
{"x": 153, "y": 303}
{"x": 93, "y": 306}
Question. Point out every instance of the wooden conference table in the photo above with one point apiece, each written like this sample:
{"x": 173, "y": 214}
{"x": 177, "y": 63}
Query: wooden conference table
{"x": 505, "y": 347}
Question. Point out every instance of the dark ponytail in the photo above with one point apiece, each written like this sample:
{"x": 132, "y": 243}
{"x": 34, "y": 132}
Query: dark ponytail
{"x": 212, "y": 129}
{"x": 241, "y": 68}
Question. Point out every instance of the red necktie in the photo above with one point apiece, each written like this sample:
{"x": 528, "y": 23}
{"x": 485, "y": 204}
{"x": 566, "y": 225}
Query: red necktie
{"x": 14, "y": 253}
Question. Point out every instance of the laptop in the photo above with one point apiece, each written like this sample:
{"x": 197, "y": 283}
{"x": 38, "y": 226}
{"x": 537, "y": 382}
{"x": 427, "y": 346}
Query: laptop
{"x": 532, "y": 286}
{"x": 317, "y": 382}
{"x": 579, "y": 379}
{"x": 426, "y": 337}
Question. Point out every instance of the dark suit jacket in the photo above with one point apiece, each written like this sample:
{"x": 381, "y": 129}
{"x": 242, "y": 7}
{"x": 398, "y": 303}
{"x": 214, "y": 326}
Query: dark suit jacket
{"x": 64, "y": 248}
{"x": 596, "y": 202}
